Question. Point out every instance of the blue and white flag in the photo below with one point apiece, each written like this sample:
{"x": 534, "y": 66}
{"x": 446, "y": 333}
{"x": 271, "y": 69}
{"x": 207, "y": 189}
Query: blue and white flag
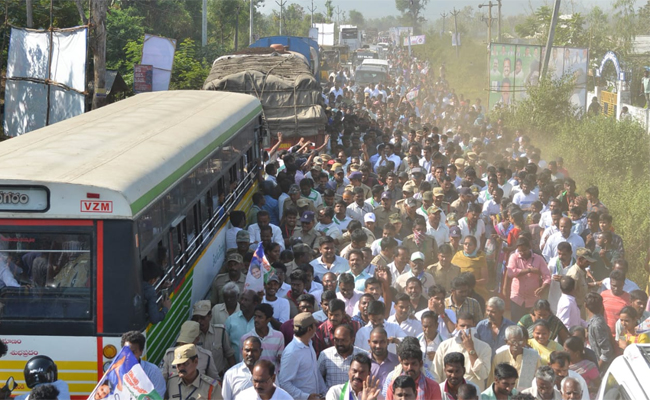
{"x": 258, "y": 271}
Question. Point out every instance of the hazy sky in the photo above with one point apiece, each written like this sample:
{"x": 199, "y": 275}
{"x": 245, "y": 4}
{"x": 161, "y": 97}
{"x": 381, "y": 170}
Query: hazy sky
{"x": 380, "y": 8}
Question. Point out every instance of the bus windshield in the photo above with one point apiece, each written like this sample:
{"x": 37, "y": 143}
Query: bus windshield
{"x": 54, "y": 270}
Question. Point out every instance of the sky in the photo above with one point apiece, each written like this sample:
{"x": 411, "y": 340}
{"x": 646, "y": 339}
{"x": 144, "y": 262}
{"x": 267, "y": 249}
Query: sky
{"x": 380, "y": 8}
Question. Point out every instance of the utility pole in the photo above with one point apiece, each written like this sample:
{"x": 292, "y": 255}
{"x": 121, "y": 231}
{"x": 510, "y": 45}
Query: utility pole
{"x": 455, "y": 14}
{"x": 250, "y": 23}
{"x": 204, "y": 24}
{"x": 98, "y": 10}
{"x": 549, "y": 41}
{"x": 443, "y": 15}
{"x": 237, "y": 29}
{"x": 499, "y": 21}
{"x": 489, "y": 5}
{"x": 338, "y": 20}
{"x": 312, "y": 9}
{"x": 281, "y": 4}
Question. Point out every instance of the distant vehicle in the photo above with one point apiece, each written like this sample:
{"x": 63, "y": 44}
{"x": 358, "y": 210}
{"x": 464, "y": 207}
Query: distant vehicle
{"x": 303, "y": 45}
{"x": 351, "y": 37}
{"x": 366, "y": 74}
{"x": 378, "y": 63}
{"x": 362, "y": 54}
{"x": 627, "y": 376}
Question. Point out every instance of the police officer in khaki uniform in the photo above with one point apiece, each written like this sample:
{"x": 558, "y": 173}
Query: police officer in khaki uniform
{"x": 294, "y": 200}
{"x": 190, "y": 331}
{"x": 189, "y": 382}
{"x": 306, "y": 233}
{"x": 355, "y": 181}
{"x": 213, "y": 337}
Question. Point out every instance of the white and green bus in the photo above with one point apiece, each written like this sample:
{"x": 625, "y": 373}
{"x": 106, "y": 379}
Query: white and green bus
{"x": 85, "y": 201}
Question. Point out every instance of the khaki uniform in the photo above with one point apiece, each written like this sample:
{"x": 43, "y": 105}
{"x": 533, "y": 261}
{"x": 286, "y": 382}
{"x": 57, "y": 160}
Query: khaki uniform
{"x": 216, "y": 341}
{"x": 206, "y": 364}
{"x": 428, "y": 247}
{"x": 381, "y": 216}
{"x": 367, "y": 193}
{"x": 459, "y": 208}
{"x": 203, "y": 388}
{"x": 416, "y": 187}
{"x": 311, "y": 238}
{"x": 443, "y": 277}
{"x": 381, "y": 261}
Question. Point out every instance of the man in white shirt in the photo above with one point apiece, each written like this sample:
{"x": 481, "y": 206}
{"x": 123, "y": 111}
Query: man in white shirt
{"x": 329, "y": 261}
{"x": 564, "y": 235}
{"x": 403, "y": 316}
{"x": 478, "y": 354}
{"x": 472, "y": 225}
{"x": 326, "y": 223}
{"x": 558, "y": 267}
{"x": 239, "y": 377}
{"x": 358, "y": 374}
{"x": 525, "y": 198}
{"x": 388, "y": 155}
{"x": 299, "y": 375}
{"x": 567, "y": 309}
{"x": 446, "y": 317}
{"x": 264, "y": 387}
{"x": 376, "y": 312}
{"x": 545, "y": 221}
{"x": 435, "y": 227}
{"x": 264, "y": 219}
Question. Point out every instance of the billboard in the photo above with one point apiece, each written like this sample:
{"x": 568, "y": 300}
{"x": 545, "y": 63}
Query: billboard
{"x": 514, "y": 68}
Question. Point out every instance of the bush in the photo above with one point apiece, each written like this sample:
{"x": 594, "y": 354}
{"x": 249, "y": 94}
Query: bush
{"x": 597, "y": 151}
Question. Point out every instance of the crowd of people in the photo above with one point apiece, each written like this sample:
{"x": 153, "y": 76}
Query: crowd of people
{"x": 422, "y": 252}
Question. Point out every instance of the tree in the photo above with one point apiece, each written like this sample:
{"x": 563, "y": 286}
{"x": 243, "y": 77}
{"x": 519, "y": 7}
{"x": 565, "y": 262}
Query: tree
{"x": 329, "y": 7}
{"x": 411, "y": 11}
{"x": 569, "y": 30}
{"x": 356, "y": 18}
{"x": 625, "y": 25}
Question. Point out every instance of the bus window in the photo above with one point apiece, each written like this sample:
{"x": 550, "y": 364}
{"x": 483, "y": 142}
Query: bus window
{"x": 177, "y": 243}
{"x": 191, "y": 227}
{"x": 190, "y": 188}
{"x": 58, "y": 269}
{"x": 150, "y": 223}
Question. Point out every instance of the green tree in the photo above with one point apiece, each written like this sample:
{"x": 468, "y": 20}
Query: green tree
{"x": 625, "y": 25}
{"x": 356, "y": 18}
{"x": 412, "y": 11}
{"x": 329, "y": 10}
{"x": 568, "y": 32}
{"x": 122, "y": 26}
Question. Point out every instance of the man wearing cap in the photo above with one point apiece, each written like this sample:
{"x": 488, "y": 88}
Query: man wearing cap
{"x": 299, "y": 375}
{"x": 306, "y": 232}
{"x": 292, "y": 201}
{"x": 408, "y": 189}
{"x": 234, "y": 267}
{"x": 190, "y": 331}
{"x": 213, "y": 337}
{"x": 427, "y": 201}
{"x": 420, "y": 241}
{"x": 417, "y": 176}
{"x": 409, "y": 215}
{"x": 417, "y": 271}
{"x": 239, "y": 377}
{"x": 359, "y": 208}
{"x": 355, "y": 182}
{"x": 384, "y": 210}
{"x": 461, "y": 205}
{"x": 578, "y": 272}
{"x": 455, "y": 235}
{"x": 190, "y": 381}
{"x": 339, "y": 181}
{"x": 264, "y": 219}
{"x": 435, "y": 227}
{"x": 242, "y": 242}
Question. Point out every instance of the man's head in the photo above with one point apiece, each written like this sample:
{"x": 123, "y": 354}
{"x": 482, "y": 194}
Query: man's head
{"x": 376, "y": 311}
{"x": 186, "y": 361}
{"x": 571, "y": 389}
{"x": 306, "y": 303}
{"x": 264, "y": 378}
{"x": 202, "y": 313}
{"x": 402, "y": 306}
{"x": 336, "y": 312}
{"x": 344, "y": 339}
{"x": 411, "y": 360}
{"x": 262, "y": 315}
{"x": 359, "y": 371}
{"x": 584, "y": 257}
{"x": 346, "y": 285}
{"x": 459, "y": 289}
{"x": 494, "y": 309}
{"x": 454, "y": 368}
{"x": 565, "y": 226}
{"x": 545, "y": 379}
{"x": 136, "y": 341}
{"x": 417, "y": 263}
{"x": 404, "y": 388}
{"x": 329, "y": 281}
{"x": 617, "y": 282}
{"x": 464, "y": 322}
{"x": 378, "y": 342}
{"x": 355, "y": 259}
{"x": 560, "y": 361}
{"x": 304, "y": 326}
{"x": 251, "y": 351}
{"x": 505, "y": 377}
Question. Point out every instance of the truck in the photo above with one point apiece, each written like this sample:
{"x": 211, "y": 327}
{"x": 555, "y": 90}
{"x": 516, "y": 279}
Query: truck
{"x": 306, "y": 46}
{"x": 283, "y": 81}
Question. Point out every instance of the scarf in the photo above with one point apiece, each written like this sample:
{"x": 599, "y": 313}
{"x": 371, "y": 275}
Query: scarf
{"x": 418, "y": 237}
{"x": 472, "y": 254}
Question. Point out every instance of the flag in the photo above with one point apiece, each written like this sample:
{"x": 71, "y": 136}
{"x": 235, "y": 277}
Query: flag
{"x": 259, "y": 271}
{"x": 643, "y": 327}
{"x": 410, "y": 96}
{"x": 125, "y": 379}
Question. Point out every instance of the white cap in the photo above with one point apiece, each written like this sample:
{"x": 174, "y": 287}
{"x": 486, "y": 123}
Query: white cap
{"x": 417, "y": 256}
{"x": 370, "y": 217}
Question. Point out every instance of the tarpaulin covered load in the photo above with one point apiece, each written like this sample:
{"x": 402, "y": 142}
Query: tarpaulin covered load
{"x": 290, "y": 96}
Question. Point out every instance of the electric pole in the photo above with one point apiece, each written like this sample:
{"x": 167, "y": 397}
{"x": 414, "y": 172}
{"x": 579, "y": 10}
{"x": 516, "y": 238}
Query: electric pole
{"x": 549, "y": 41}
{"x": 204, "y": 24}
{"x": 281, "y": 3}
{"x": 455, "y": 14}
{"x": 312, "y": 9}
{"x": 250, "y": 23}
{"x": 499, "y": 21}
{"x": 443, "y": 15}
{"x": 237, "y": 29}
{"x": 338, "y": 20}
{"x": 489, "y": 5}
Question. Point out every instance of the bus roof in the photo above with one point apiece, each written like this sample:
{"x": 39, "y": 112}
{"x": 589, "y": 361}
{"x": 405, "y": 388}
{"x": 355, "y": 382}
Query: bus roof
{"x": 129, "y": 152}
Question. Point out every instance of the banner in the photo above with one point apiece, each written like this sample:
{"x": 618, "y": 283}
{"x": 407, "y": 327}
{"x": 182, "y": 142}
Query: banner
{"x": 125, "y": 379}
{"x": 258, "y": 271}
{"x": 410, "y": 96}
{"x": 159, "y": 52}
{"x": 142, "y": 78}
{"x": 419, "y": 39}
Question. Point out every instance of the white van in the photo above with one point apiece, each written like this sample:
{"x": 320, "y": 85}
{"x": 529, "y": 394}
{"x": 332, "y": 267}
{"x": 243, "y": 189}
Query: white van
{"x": 627, "y": 376}
{"x": 375, "y": 62}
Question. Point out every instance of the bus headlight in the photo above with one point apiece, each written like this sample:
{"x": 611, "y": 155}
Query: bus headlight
{"x": 109, "y": 351}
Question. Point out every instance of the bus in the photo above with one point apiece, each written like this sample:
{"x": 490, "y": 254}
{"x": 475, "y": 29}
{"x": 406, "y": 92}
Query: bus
{"x": 85, "y": 201}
